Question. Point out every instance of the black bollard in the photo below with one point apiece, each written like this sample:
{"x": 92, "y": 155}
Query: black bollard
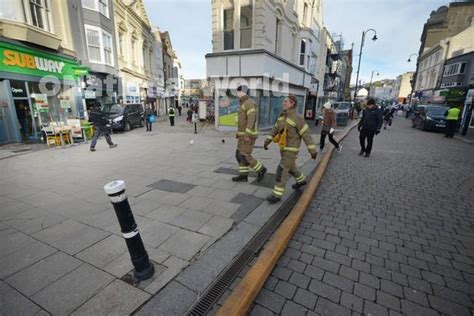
{"x": 143, "y": 267}
{"x": 195, "y": 128}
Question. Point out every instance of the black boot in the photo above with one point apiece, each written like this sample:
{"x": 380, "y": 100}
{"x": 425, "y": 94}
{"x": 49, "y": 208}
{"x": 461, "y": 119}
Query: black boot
{"x": 367, "y": 155}
{"x": 298, "y": 185}
{"x": 240, "y": 178}
{"x": 113, "y": 145}
{"x": 261, "y": 174}
{"x": 273, "y": 199}
{"x": 361, "y": 153}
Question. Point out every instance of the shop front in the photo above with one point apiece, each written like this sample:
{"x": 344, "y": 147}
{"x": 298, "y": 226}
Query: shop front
{"x": 270, "y": 106}
{"x": 37, "y": 88}
{"x": 100, "y": 87}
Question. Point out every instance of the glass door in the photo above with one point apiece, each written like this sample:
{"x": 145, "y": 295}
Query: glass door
{"x": 9, "y": 131}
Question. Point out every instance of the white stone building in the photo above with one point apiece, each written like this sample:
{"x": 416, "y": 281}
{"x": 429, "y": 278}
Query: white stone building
{"x": 402, "y": 88}
{"x": 267, "y": 43}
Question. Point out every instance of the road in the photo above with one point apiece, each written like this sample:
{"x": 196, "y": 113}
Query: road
{"x": 386, "y": 235}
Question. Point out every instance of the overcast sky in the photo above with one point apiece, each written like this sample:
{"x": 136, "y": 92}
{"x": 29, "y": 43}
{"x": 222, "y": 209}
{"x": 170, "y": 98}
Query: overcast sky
{"x": 399, "y": 24}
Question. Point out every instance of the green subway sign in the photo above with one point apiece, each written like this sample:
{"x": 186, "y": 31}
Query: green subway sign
{"x": 26, "y": 61}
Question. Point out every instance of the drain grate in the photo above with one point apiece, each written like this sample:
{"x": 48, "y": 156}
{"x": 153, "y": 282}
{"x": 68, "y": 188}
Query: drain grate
{"x": 223, "y": 281}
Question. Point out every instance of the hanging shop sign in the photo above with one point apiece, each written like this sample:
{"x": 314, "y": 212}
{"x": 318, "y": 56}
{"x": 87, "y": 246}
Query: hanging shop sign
{"x": 22, "y": 60}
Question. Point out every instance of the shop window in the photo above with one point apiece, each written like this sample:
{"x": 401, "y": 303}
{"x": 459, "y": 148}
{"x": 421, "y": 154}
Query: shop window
{"x": 40, "y": 14}
{"x": 276, "y": 104}
{"x": 228, "y": 29}
{"x": 264, "y": 111}
{"x": 246, "y": 27}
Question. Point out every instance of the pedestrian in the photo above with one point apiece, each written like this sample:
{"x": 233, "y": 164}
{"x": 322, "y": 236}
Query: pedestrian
{"x": 99, "y": 121}
{"x": 369, "y": 126}
{"x": 180, "y": 108}
{"x": 329, "y": 122}
{"x": 247, "y": 135}
{"x": 148, "y": 117}
{"x": 387, "y": 117}
{"x": 189, "y": 115}
{"x": 288, "y": 131}
{"x": 452, "y": 118}
{"x": 195, "y": 120}
{"x": 171, "y": 116}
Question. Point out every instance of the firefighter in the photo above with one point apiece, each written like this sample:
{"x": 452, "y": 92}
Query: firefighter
{"x": 171, "y": 116}
{"x": 288, "y": 131}
{"x": 247, "y": 135}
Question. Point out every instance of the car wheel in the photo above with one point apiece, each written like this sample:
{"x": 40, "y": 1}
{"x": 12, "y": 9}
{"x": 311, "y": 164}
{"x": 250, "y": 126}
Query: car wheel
{"x": 126, "y": 126}
{"x": 422, "y": 126}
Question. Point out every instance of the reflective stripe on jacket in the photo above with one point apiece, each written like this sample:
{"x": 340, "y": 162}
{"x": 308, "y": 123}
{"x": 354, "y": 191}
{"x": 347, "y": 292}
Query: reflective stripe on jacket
{"x": 297, "y": 130}
{"x": 247, "y": 118}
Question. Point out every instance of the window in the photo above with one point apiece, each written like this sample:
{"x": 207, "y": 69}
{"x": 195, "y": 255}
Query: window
{"x": 104, "y": 7}
{"x": 40, "y": 14}
{"x": 99, "y": 45}
{"x": 305, "y": 13}
{"x": 246, "y": 27}
{"x": 228, "y": 29}
{"x": 277, "y": 36}
{"x": 101, "y": 6}
{"x": 121, "y": 43}
{"x": 454, "y": 69}
{"x": 134, "y": 50}
{"x": 302, "y": 51}
{"x": 108, "y": 56}
{"x": 93, "y": 45}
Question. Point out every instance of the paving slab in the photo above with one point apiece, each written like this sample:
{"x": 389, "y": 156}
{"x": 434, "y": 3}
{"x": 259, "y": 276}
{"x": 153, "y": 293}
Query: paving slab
{"x": 104, "y": 252}
{"x": 43, "y": 273}
{"x": 65, "y": 295}
{"x": 118, "y": 298}
{"x": 14, "y": 303}
{"x": 71, "y": 236}
{"x": 24, "y": 257}
{"x": 216, "y": 227}
{"x": 172, "y": 186}
{"x": 185, "y": 244}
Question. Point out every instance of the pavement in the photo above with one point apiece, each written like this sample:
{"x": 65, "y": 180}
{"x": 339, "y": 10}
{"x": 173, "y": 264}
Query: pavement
{"x": 62, "y": 249}
{"x": 387, "y": 235}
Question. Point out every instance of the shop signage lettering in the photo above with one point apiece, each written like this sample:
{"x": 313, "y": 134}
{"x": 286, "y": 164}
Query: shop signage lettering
{"x": 27, "y": 61}
{"x": 24, "y": 60}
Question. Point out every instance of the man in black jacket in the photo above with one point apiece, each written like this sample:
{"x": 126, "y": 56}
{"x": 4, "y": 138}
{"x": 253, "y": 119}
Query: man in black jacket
{"x": 99, "y": 121}
{"x": 369, "y": 126}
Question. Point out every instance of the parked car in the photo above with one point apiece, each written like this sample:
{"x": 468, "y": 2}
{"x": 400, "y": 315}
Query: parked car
{"x": 342, "y": 112}
{"x": 124, "y": 116}
{"x": 430, "y": 117}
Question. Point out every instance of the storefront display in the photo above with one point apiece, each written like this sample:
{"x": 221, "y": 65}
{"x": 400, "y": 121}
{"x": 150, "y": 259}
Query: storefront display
{"x": 43, "y": 88}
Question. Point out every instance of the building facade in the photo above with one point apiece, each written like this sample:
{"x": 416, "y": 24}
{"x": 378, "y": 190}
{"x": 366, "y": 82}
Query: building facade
{"x": 402, "y": 88}
{"x": 136, "y": 57}
{"x": 39, "y": 73}
{"x": 170, "y": 71}
{"x": 93, "y": 33}
{"x": 272, "y": 46}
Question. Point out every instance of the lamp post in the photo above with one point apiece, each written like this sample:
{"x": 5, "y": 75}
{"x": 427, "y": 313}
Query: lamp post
{"x": 374, "y": 38}
{"x": 413, "y": 78}
{"x": 371, "y": 77}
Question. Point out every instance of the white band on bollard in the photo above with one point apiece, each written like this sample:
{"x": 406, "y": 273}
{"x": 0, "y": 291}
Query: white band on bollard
{"x": 118, "y": 198}
{"x": 130, "y": 234}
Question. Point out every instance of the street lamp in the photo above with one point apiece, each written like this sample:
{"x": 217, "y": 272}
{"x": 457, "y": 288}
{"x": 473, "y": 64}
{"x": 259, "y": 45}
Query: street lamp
{"x": 409, "y": 57}
{"x": 371, "y": 77}
{"x": 374, "y": 38}
{"x": 412, "y": 78}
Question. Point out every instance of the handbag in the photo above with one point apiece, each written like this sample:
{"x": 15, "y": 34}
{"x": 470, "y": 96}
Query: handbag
{"x": 326, "y": 128}
{"x": 152, "y": 118}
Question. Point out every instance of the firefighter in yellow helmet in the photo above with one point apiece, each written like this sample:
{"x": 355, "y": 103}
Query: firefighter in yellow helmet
{"x": 247, "y": 135}
{"x": 288, "y": 131}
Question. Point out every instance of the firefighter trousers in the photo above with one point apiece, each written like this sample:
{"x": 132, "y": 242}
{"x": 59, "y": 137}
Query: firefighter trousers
{"x": 243, "y": 154}
{"x": 287, "y": 167}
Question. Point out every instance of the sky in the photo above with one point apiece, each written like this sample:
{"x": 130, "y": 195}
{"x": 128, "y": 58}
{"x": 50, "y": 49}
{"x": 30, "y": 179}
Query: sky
{"x": 398, "y": 23}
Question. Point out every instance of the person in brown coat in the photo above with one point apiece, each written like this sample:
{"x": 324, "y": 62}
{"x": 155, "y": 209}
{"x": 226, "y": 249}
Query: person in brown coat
{"x": 329, "y": 122}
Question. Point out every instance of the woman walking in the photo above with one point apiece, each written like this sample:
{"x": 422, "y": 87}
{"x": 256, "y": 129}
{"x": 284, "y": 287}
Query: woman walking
{"x": 288, "y": 131}
{"x": 387, "y": 117}
{"x": 329, "y": 122}
{"x": 148, "y": 116}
